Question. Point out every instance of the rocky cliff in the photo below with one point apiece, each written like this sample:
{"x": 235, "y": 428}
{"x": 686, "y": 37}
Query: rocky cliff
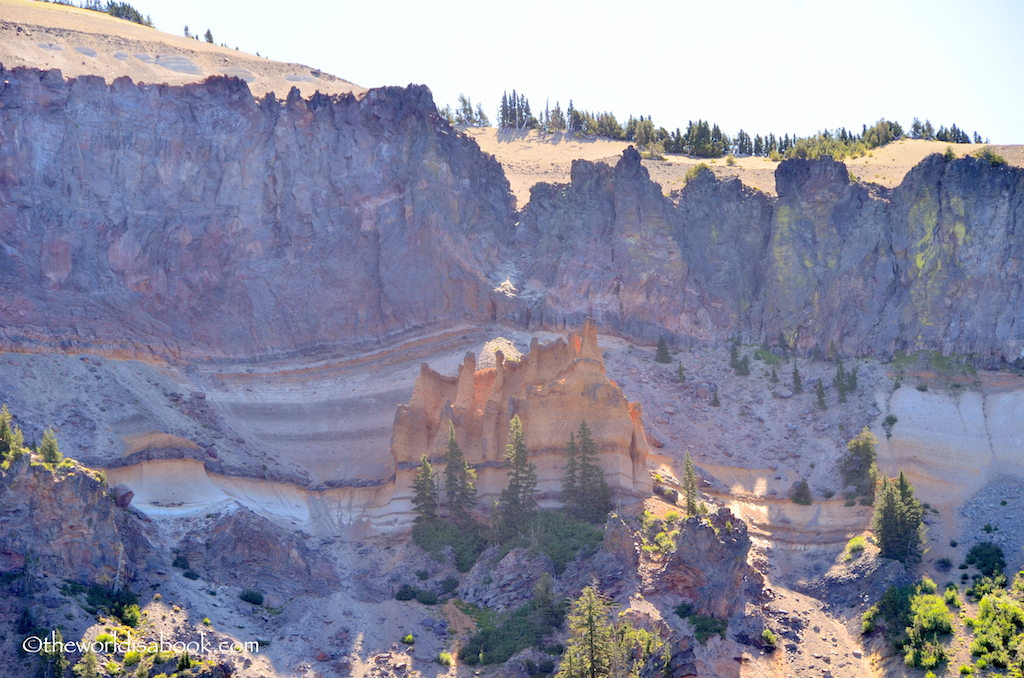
{"x": 934, "y": 263}
{"x": 554, "y": 388}
{"x": 195, "y": 222}
{"x": 65, "y": 524}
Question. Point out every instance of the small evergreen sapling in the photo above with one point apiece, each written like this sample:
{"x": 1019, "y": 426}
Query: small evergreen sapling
{"x": 661, "y": 355}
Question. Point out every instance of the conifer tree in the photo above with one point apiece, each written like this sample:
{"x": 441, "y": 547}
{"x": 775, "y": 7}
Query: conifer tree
{"x": 690, "y": 495}
{"x": 681, "y": 373}
{"x": 594, "y": 494}
{"x": 517, "y": 502}
{"x": 897, "y": 521}
{"x": 48, "y": 449}
{"x": 459, "y": 481}
{"x": 819, "y": 390}
{"x": 88, "y": 666}
{"x": 661, "y": 355}
{"x": 590, "y": 650}
{"x": 54, "y": 662}
{"x": 424, "y": 499}
{"x": 774, "y": 378}
{"x": 857, "y": 468}
{"x": 208, "y": 36}
{"x": 798, "y": 384}
{"x": 11, "y": 438}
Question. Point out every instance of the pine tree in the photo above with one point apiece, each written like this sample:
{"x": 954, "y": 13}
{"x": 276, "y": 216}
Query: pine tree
{"x": 840, "y": 381}
{"x": 11, "y": 438}
{"x": 857, "y": 467}
{"x": 459, "y": 481}
{"x": 88, "y": 667}
{"x": 48, "y": 449}
{"x": 570, "y": 479}
{"x": 715, "y": 402}
{"x": 690, "y": 495}
{"x": 54, "y": 662}
{"x": 424, "y": 499}
{"x": 819, "y": 390}
{"x": 208, "y": 36}
{"x": 595, "y": 496}
{"x": 661, "y": 355}
{"x": 774, "y": 378}
{"x": 517, "y": 502}
{"x": 798, "y": 384}
{"x": 590, "y": 650}
{"x": 681, "y": 373}
{"x": 897, "y": 521}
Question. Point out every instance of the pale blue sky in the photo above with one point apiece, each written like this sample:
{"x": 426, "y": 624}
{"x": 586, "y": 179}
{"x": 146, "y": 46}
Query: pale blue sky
{"x": 793, "y": 66}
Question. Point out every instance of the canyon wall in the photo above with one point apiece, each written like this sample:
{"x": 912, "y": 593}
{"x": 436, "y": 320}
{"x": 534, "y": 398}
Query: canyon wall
{"x": 195, "y": 222}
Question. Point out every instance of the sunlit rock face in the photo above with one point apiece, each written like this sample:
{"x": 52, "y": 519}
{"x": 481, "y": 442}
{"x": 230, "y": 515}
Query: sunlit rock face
{"x": 553, "y": 389}
{"x": 197, "y": 222}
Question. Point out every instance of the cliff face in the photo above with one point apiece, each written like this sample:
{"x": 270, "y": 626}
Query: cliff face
{"x": 555, "y": 387}
{"x": 64, "y": 523}
{"x": 934, "y": 263}
{"x": 195, "y": 221}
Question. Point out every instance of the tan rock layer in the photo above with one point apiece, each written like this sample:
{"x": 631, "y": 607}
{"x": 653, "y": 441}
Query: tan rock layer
{"x": 554, "y": 388}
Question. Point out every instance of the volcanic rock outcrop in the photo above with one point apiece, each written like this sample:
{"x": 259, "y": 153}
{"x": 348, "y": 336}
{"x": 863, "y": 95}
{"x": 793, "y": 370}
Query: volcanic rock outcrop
{"x": 194, "y": 222}
{"x": 554, "y": 388}
{"x": 64, "y": 523}
{"x": 709, "y": 566}
{"x": 197, "y": 222}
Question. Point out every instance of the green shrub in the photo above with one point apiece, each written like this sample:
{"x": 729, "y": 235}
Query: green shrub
{"x": 406, "y": 592}
{"x": 107, "y": 641}
{"x": 560, "y": 536}
{"x": 251, "y": 596}
{"x": 449, "y": 584}
{"x": 990, "y": 155}
{"x": 190, "y": 574}
{"x": 987, "y": 557}
{"x": 801, "y": 493}
{"x": 768, "y": 638}
{"x": 467, "y": 540}
{"x": 408, "y": 639}
{"x": 181, "y": 562}
{"x": 131, "y": 658}
{"x": 696, "y": 171}
{"x": 130, "y": 615}
{"x": 500, "y": 636}
{"x": 855, "y": 546}
{"x": 704, "y": 627}
{"x": 445, "y": 659}
{"x": 426, "y": 597}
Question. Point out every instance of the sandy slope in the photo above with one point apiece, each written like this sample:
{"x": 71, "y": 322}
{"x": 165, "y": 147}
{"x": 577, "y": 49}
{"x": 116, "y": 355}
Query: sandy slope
{"x": 83, "y": 42}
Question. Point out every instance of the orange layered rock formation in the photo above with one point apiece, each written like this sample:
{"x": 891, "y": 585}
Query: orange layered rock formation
{"x": 553, "y": 388}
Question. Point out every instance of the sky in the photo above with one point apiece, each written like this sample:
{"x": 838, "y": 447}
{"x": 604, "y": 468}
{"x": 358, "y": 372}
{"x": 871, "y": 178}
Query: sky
{"x": 792, "y": 66}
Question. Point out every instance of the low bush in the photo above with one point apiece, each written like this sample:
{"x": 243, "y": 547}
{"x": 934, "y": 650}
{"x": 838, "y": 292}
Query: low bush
{"x": 704, "y": 627}
{"x": 801, "y": 493}
{"x": 467, "y": 541}
{"x": 500, "y": 636}
{"x": 445, "y": 659}
{"x": 987, "y": 557}
{"x": 190, "y": 574}
{"x": 251, "y": 596}
{"x": 855, "y": 546}
{"x": 408, "y": 639}
{"x": 426, "y": 597}
{"x": 406, "y": 592}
